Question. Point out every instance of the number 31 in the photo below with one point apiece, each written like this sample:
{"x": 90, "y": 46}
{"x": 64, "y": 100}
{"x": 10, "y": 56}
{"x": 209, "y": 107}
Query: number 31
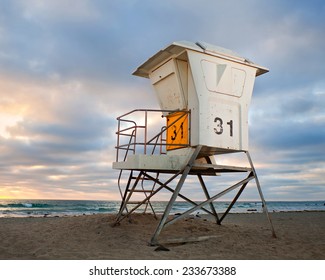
{"x": 219, "y": 126}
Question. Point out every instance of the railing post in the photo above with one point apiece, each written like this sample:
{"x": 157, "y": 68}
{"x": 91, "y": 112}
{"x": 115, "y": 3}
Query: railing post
{"x": 118, "y": 140}
{"x": 145, "y": 132}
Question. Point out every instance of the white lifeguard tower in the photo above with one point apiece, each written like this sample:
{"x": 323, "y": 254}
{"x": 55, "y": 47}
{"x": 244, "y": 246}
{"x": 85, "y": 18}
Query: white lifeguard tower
{"x": 204, "y": 93}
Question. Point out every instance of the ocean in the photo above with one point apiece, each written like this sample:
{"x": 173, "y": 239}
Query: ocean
{"x": 52, "y": 208}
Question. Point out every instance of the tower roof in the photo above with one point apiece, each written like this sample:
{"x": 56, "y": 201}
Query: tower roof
{"x": 176, "y": 48}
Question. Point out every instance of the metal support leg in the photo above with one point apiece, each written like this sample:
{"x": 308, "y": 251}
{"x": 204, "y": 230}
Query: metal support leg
{"x": 261, "y": 193}
{"x": 152, "y": 189}
{"x": 251, "y": 175}
{"x": 205, "y": 190}
{"x": 126, "y": 192}
{"x": 174, "y": 196}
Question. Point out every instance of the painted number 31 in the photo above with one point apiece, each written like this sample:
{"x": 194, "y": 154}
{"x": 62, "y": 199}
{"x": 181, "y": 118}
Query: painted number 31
{"x": 218, "y": 129}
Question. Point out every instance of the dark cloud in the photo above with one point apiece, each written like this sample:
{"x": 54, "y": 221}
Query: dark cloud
{"x": 290, "y": 135}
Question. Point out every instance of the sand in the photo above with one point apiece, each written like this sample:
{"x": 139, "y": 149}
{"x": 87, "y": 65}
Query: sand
{"x": 300, "y": 236}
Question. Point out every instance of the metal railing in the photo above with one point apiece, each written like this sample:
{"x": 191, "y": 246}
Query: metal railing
{"x": 137, "y": 132}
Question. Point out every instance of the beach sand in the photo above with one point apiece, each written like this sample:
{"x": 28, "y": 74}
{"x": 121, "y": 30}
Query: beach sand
{"x": 300, "y": 235}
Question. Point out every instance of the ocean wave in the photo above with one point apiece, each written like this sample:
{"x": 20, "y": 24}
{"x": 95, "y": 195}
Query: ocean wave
{"x": 40, "y": 208}
{"x": 25, "y": 205}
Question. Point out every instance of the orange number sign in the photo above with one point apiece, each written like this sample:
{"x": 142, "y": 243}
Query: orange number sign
{"x": 177, "y": 130}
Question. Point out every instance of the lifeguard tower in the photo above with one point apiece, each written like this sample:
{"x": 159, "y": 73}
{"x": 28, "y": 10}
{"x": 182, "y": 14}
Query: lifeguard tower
{"x": 204, "y": 93}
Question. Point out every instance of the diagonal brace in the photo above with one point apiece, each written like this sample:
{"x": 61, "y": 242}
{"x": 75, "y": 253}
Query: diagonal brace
{"x": 186, "y": 213}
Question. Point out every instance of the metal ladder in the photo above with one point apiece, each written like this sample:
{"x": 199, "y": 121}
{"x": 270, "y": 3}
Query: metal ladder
{"x": 132, "y": 181}
{"x": 138, "y": 180}
{"x": 136, "y": 184}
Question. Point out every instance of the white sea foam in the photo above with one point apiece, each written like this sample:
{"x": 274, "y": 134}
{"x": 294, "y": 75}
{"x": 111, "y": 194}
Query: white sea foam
{"x": 29, "y": 205}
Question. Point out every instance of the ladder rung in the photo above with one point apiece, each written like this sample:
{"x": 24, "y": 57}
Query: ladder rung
{"x": 141, "y": 179}
{"x": 127, "y": 149}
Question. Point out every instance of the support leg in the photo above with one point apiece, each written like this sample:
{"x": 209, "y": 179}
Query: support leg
{"x": 174, "y": 196}
{"x": 261, "y": 194}
{"x": 125, "y": 191}
{"x": 152, "y": 189}
{"x": 205, "y": 190}
{"x": 236, "y": 197}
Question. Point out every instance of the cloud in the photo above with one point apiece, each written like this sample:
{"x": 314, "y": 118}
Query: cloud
{"x": 288, "y": 119}
{"x": 59, "y": 140}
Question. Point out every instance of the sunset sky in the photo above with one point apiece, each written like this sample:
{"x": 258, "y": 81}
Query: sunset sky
{"x": 66, "y": 74}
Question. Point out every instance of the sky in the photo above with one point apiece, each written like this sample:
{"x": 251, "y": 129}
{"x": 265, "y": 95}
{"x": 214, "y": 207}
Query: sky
{"x": 66, "y": 74}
